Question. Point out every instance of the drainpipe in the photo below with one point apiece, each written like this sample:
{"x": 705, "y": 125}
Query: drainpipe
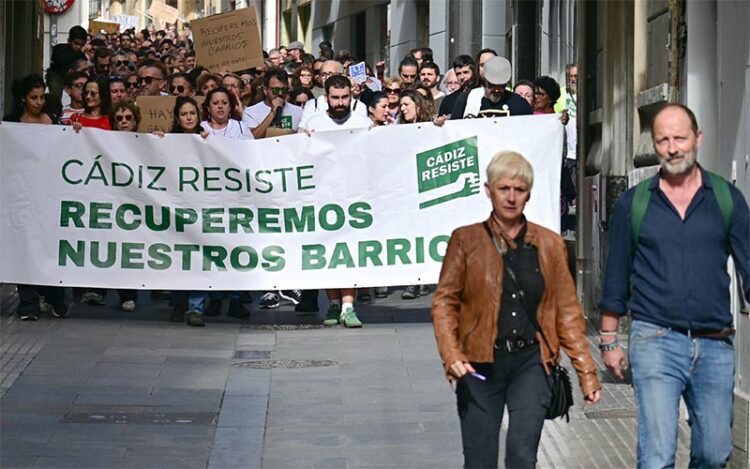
{"x": 675, "y": 18}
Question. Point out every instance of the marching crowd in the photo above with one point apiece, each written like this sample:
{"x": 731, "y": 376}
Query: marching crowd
{"x": 500, "y": 337}
{"x": 95, "y": 80}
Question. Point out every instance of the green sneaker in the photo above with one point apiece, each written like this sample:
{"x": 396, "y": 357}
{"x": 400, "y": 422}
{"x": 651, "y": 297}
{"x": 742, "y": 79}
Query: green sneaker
{"x": 350, "y": 319}
{"x": 194, "y": 319}
{"x": 332, "y": 315}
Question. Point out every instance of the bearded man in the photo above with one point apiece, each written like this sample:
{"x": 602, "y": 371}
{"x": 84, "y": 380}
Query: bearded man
{"x": 338, "y": 116}
{"x": 670, "y": 238}
{"x": 493, "y": 99}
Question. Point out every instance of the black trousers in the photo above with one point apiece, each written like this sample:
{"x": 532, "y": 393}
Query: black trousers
{"x": 516, "y": 379}
{"x": 28, "y": 297}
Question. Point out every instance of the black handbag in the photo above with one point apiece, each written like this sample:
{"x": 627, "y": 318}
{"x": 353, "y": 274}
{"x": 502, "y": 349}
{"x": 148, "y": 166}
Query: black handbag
{"x": 559, "y": 378}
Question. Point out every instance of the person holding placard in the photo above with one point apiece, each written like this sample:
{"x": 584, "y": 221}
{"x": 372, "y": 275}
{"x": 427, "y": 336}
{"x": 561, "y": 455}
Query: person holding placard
{"x": 30, "y": 106}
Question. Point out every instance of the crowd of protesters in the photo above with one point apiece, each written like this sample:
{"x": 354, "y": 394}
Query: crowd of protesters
{"x": 94, "y": 80}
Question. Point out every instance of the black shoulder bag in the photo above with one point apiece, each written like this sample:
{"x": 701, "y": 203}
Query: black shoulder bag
{"x": 559, "y": 378}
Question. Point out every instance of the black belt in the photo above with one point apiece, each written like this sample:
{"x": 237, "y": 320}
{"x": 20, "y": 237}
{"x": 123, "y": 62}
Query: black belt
{"x": 513, "y": 345}
{"x": 706, "y": 333}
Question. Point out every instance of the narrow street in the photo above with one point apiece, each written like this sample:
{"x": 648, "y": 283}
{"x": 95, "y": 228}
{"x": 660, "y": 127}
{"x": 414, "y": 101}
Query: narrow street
{"x": 105, "y": 388}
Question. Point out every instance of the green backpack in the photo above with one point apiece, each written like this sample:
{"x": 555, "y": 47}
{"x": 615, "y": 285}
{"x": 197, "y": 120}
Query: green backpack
{"x": 642, "y": 197}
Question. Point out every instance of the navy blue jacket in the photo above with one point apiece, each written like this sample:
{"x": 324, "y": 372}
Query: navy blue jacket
{"x": 678, "y": 270}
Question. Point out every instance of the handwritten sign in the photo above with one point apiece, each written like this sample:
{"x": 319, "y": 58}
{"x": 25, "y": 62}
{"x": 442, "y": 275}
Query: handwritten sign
{"x": 126, "y": 21}
{"x": 358, "y": 72}
{"x": 229, "y": 41}
{"x": 157, "y": 112}
{"x": 97, "y": 26}
{"x": 164, "y": 12}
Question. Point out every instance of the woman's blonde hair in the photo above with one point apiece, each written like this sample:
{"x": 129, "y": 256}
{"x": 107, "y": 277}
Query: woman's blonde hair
{"x": 510, "y": 164}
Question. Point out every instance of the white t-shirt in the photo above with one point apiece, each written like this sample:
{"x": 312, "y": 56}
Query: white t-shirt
{"x": 321, "y": 122}
{"x": 254, "y": 115}
{"x": 234, "y": 129}
{"x": 320, "y": 106}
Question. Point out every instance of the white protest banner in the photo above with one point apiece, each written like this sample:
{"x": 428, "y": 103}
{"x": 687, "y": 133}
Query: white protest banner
{"x": 228, "y": 41}
{"x": 126, "y": 21}
{"x": 335, "y": 209}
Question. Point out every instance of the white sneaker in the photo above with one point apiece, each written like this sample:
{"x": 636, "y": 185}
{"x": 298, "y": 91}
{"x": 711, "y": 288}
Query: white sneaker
{"x": 128, "y": 306}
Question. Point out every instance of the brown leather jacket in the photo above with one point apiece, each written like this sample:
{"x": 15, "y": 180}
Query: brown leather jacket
{"x": 466, "y": 304}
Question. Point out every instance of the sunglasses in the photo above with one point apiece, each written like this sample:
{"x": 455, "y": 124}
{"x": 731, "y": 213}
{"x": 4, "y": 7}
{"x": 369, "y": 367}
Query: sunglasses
{"x": 148, "y": 80}
{"x": 124, "y": 117}
{"x": 121, "y": 63}
{"x": 178, "y": 88}
{"x": 279, "y": 90}
{"x": 131, "y": 84}
{"x": 393, "y": 91}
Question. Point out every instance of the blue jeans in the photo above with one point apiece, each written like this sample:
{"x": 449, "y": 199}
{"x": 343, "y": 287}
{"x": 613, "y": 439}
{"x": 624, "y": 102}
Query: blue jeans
{"x": 198, "y": 300}
{"x": 666, "y": 365}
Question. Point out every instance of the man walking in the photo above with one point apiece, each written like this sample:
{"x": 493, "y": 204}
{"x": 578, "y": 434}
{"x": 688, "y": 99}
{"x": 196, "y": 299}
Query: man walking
{"x": 338, "y": 116}
{"x": 670, "y": 238}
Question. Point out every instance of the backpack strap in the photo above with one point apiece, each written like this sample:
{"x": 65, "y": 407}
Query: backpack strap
{"x": 642, "y": 197}
{"x": 723, "y": 197}
{"x": 638, "y": 207}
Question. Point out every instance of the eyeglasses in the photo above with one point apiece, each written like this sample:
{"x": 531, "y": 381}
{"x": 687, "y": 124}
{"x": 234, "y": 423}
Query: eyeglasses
{"x": 124, "y": 117}
{"x": 131, "y": 84}
{"x": 279, "y": 90}
{"x": 393, "y": 91}
{"x": 178, "y": 88}
{"x": 148, "y": 80}
{"x": 326, "y": 74}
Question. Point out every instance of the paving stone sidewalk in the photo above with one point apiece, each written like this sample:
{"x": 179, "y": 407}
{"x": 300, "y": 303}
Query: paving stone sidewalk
{"x": 108, "y": 389}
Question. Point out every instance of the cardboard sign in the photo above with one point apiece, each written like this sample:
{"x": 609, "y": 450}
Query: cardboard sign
{"x": 358, "y": 72}
{"x": 229, "y": 41}
{"x": 157, "y": 112}
{"x": 164, "y": 12}
{"x": 126, "y": 21}
{"x": 97, "y": 26}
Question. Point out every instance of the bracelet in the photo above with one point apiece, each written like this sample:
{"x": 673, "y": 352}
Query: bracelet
{"x": 607, "y": 333}
{"x": 609, "y": 347}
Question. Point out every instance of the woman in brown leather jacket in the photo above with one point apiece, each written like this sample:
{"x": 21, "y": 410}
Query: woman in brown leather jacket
{"x": 492, "y": 296}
